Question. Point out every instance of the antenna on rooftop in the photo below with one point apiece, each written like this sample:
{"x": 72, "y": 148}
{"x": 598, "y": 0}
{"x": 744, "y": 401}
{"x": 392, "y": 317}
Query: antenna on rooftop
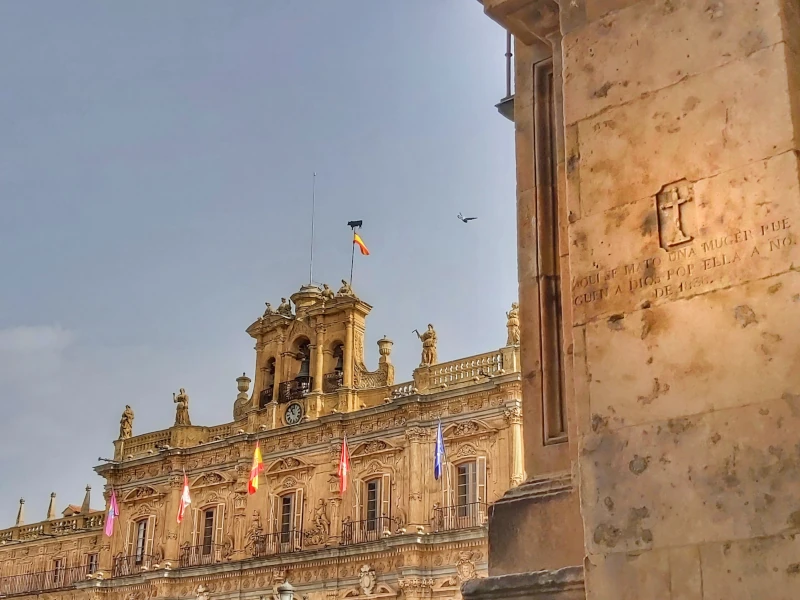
{"x": 313, "y": 207}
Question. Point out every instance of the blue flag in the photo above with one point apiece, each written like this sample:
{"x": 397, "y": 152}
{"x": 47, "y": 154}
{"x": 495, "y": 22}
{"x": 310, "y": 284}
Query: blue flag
{"x": 439, "y": 457}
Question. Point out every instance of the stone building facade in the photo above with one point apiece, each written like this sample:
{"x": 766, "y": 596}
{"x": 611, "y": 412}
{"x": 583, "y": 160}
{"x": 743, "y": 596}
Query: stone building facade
{"x": 396, "y": 531}
{"x": 658, "y": 201}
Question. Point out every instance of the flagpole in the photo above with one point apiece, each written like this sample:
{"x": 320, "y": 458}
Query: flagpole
{"x": 352, "y": 257}
{"x": 313, "y": 207}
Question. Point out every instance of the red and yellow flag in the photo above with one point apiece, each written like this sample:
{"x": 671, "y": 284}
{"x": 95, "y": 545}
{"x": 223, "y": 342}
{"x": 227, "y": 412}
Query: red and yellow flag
{"x": 186, "y": 499}
{"x": 344, "y": 466}
{"x": 258, "y": 466}
{"x": 360, "y": 243}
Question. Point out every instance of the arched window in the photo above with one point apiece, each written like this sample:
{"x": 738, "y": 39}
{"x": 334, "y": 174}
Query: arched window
{"x": 269, "y": 383}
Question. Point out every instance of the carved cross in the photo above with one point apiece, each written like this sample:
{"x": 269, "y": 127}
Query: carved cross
{"x": 672, "y": 198}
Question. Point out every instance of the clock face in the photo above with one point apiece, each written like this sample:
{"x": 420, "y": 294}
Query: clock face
{"x": 294, "y": 412}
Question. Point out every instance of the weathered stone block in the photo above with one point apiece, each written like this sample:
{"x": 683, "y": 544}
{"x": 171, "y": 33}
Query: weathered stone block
{"x": 654, "y": 44}
{"x": 695, "y": 129}
{"x": 720, "y": 476}
{"x": 645, "y": 576}
{"x": 744, "y": 225}
{"x": 720, "y": 350}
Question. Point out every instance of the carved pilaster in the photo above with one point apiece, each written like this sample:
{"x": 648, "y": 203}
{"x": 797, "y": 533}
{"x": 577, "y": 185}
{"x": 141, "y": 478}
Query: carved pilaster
{"x": 513, "y": 416}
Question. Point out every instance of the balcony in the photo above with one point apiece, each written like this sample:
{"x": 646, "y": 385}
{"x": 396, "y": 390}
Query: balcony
{"x": 132, "y": 565}
{"x": 265, "y": 397}
{"x": 283, "y": 542}
{"x": 203, "y": 555}
{"x": 42, "y": 581}
{"x": 506, "y": 106}
{"x": 461, "y": 516}
{"x": 295, "y": 389}
{"x": 331, "y": 382}
{"x": 368, "y": 530}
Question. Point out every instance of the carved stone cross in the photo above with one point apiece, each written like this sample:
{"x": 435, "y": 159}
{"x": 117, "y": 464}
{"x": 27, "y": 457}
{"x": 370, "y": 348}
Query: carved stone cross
{"x": 669, "y": 202}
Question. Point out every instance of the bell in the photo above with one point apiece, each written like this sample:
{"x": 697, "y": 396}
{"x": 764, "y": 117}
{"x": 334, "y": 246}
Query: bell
{"x": 304, "y": 369}
{"x": 339, "y": 363}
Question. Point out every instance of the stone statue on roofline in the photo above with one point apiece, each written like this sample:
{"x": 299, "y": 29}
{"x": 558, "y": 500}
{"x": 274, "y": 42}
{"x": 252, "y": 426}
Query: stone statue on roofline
{"x": 345, "y": 290}
{"x": 327, "y": 293}
{"x": 513, "y": 325}
{"x": 181, "y": 399}
{"x": 428, "y": 346}
{"x": 126, "y": 423}
{"x": 285, "y": 308}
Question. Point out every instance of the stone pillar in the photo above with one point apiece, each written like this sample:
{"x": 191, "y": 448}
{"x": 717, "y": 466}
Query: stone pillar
{"x": 173, "y": 500}
{"x": 417, "y": 437}
{"x": 348, "y": 353}
{"x": 319, "y": 358}
{"x": 513, "y": 417}
{"x": 682, "y": 196}
{"x": 278, "y": 379}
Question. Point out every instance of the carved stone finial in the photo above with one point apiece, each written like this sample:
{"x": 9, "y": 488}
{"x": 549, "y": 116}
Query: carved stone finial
{"x": 51, "y": 508}
{"x": 513, "y": 325}
{"x": 429, "y": 341}
{"x": 241, "y": 403}
{"x": 87, "y": 498}
{"x": 126, "y": 423}
{"x": 21, "y": 512}
{"x": 181, "y": 399}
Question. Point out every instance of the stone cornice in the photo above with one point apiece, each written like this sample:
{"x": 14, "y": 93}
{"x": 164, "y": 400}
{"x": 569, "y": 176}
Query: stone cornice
{"x": 530, "y": 21}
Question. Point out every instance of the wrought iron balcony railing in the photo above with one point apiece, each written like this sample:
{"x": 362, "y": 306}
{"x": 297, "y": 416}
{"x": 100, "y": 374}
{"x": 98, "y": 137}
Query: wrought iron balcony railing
{"x": 204, "y": 554}
{"x": 265, "y": 397}
{"x": 460, "y": 516}
{"x": 282, "y": 542}
{"x": 368, "y": 530}
{"x": 131, "y": 565}
{"x": 295, "y": 389}
{"x": 332, "y": 381}
{"x": 42, "y": 581}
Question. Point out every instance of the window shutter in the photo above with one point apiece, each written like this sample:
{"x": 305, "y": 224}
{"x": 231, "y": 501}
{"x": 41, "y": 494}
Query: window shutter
{"x": 480, "y": 467}
{"x": 150, "y": 533}
{"x": 129, "y": 539}
{"x": 447, "y": 486}
{"x": 386, "y": 496}
{"x": 299, "y": 509}
{"x": 219, "y": 525}
{"x": 273, "y": 514}
{"x": 195, "y": 527}
{"x": 357, "y": 514}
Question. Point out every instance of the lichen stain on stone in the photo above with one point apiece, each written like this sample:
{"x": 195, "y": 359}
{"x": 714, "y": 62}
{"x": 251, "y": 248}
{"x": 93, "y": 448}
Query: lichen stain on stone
{"x": 602, "y": 91}
{"x": 639, "y": 464}
{"x": 572, "y": 163}
{"x": 715, "y": 438}
{"x": 659, "y": 389}
{"x": 753, "y": 41}
{"x": 690, "y": 104}
{"x": 745, "y": 315}
{"x": 774, "y": 288}
{"x": 648, "y": 323}
{"x": 599, "y": 422}
{"x": 649, "y": 224}
{"x": 607, "y": 535}
{"x": 679, "y": 425}
{"x": 609, "y": 503}
{"x": 793, "y": 569}
{"x": 615, "y": 322}
{"x": 794, "y": 520}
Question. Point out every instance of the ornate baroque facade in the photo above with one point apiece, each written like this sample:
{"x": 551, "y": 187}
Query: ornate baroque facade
{"x": 396, "y": 531}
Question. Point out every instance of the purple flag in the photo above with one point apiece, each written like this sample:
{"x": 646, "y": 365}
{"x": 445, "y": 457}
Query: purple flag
{"x": 113, "y": 513}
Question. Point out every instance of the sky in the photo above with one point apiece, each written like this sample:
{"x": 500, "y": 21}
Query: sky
{"x": 156, "y": 164}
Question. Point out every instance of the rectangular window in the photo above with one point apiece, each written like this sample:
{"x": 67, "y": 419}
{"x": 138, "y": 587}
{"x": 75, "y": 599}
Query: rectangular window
{"x": 141, "y": 540}
{"x": 287, "y": 515}
{"x": 92, "y": 563}
{"x": 466, "y": 487}
{"x": 373, "y": 498}
{"x": 208, "y": 530}
{"x": 58, "y": 570}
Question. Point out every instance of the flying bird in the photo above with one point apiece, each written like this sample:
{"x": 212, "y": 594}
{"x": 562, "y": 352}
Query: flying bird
{"x": 466, "y": 219}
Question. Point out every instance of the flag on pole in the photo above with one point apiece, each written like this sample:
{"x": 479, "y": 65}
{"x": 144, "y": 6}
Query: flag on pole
{"x": 439, "y": 457}
{"x": 113, "y": 513}
{"x": 258, "y": 466}
{"x": 360, "y": 243}
{"x": 344, "y": 466}
{"x": 186, "y": 499}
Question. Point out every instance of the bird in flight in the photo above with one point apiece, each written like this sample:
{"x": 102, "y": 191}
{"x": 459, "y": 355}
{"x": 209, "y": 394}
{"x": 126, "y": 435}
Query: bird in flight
{"x": 466, "y": 219}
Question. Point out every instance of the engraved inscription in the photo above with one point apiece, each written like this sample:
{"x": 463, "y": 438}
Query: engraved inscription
{"x": 669, "y": 204}
{"x": 688, "y": 269}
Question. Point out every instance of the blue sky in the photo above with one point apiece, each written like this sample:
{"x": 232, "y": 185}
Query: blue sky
{"x": 155, "y": 183}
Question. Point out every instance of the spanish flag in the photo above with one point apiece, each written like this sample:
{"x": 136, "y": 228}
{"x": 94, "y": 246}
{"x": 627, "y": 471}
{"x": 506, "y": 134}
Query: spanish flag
{"x": 357, "y": 240}
{"x": 258, "y": 466}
